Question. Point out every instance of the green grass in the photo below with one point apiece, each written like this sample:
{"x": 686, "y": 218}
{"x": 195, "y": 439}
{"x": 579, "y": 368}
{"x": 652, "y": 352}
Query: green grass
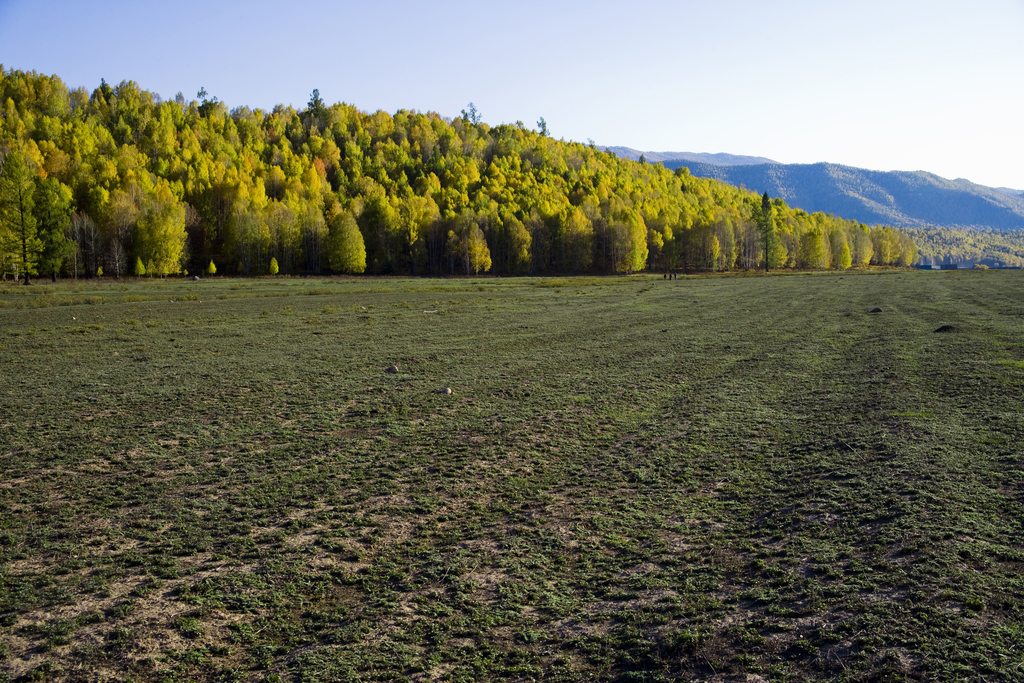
{"x": 632, "y": 479}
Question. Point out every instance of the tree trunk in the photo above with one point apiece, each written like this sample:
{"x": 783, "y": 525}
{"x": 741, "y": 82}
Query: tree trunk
{"x": 24, "y": 253}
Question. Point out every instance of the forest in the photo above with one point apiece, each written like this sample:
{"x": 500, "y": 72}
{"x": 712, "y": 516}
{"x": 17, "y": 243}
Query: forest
{"x": 993, "y": 248}
{"x": 119, "y": 182}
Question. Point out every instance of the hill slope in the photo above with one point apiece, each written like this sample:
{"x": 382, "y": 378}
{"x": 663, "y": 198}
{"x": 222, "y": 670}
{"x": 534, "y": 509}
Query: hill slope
{"x": 900, "y": 198}
{"x": 156, "y": 187}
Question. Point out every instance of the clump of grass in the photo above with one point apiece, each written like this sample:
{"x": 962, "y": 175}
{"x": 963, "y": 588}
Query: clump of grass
{"x": 190, "y": 627}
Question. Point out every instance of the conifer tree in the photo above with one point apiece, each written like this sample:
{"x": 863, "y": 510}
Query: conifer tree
{"x": 766, "y": 223}
{"x": 16, "y": 203}
{"x": 53, "y": 203}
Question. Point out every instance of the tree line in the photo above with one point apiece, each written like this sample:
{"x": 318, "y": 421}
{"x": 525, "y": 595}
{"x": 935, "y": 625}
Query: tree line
{"x": 994, "y": 248}
{"x": 119, "y": 182}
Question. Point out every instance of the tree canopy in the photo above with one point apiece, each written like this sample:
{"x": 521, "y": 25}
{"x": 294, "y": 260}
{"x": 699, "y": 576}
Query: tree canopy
{"x": 123, "y": 175}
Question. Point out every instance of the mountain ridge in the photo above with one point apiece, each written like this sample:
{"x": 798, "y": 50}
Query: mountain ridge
{"x": 900, "y": 198}
{"x": 718, "y": 158}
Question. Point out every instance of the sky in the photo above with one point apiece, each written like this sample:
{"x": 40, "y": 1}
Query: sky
{"x": 886, "y": 85}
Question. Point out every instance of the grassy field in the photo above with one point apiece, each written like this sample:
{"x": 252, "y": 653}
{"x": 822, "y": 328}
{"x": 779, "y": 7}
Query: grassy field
{"x": 723, "y": 478}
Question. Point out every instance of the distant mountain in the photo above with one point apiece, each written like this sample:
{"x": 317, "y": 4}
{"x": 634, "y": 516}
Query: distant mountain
{"x": 898, "y": 198}
{"x": 719, "y": 159}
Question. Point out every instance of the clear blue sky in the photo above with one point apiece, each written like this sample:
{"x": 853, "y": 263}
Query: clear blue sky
{"x": 888, "y": 85}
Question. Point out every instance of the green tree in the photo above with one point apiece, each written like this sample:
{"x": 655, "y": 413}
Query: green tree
{"x": 845, "y": 259}
{"x": 140, "y": 269}
{"x": 727, "y": 243}
{"x": 121, "y": 217}
{"x": 417, "y": 217}
{"x": 472, "y": 116}
{"x": 16, "y": 203}
{"x": 160, "y": 232}
{"x": 346, "y": 250}
{"x": 884, "y": 241}
{"x": 636, "y": 255}
{"x": 211, "y": 269}
{"x": 714, "y": 251}
{"x": 53, "y": 202}
{"x": 316, "y": 108}
{"x": 863, "y": 248}
{"x": 284, "y": 233}
{"x": 459, "y": 238}
{"x": 517, "y": 248}
{"x": 578, "y": 233}
{"x": 814, "y": 249}
{"x": 766, "y": 226}
{"x": 381, "y": 227}
{"x": 274, "y": 268}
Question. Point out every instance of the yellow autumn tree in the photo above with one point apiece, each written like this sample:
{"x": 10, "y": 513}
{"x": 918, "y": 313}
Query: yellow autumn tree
{"x": 160, "y": 232}
{"x": 636, "y": 250}
{"x": 579, "y": 238}
{"x": 479, "y": 254}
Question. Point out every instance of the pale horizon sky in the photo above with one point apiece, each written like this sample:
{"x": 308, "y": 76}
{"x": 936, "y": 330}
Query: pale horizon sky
{"x": 897, "y": 85}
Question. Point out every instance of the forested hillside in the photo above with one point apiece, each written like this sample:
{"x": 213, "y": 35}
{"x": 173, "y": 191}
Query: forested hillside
{"x": 901, "y": 198}
{"x": 119, "y": 182}
{"x": 992, "y": 248}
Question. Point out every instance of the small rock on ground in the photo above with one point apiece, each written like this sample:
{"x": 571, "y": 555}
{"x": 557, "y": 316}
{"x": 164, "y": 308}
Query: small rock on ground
{"x": 446, "y": 391}
{"x": 392, "y": 370}
{"x": 875, "y": 310}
